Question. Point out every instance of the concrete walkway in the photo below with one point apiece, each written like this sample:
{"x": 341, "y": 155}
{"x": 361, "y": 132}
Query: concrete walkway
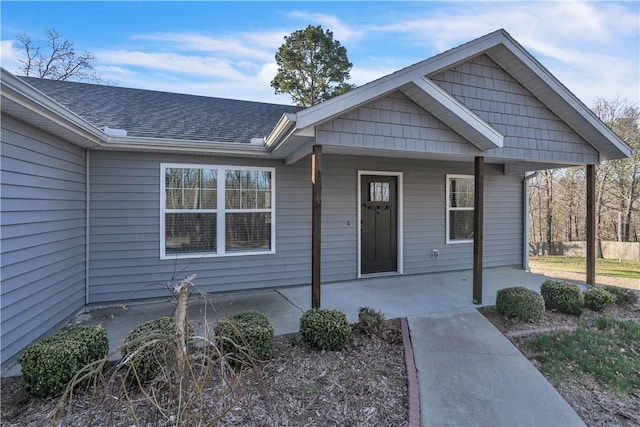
{"x": 468, "y": 373}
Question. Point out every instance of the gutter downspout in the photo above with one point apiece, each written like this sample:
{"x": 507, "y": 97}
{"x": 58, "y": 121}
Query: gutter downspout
{"x": 86, "y": 230}
{"x": 525, "y": 248}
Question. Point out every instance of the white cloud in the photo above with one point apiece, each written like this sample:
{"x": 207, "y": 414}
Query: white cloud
{"x": 363, "y": 75}
{"x": 232, "y": 47}
{"x": 172, "y": 62}
{"x": 341, "y": 31}
{"x": 9, "y": 56}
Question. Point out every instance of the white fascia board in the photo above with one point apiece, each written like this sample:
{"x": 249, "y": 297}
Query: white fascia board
{"x": 282, "y": 129}
{"x": 345, "y": 102}
{"x": 491, "y": 138}
{"x": 35, "y": 101}
{"x": 186, "y": 145}
{"x": 566, "y": 95}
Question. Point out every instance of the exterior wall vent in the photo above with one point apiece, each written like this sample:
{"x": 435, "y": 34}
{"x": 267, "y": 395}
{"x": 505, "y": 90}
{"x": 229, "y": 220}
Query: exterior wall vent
{"x": 114, "y": 132}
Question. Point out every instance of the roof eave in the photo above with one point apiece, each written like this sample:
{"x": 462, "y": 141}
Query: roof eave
{"x": 27, "y": 99}
{"x": 187, "y": 145}
{"x": 283, "y": 129}
{"x": 619, "y": 149}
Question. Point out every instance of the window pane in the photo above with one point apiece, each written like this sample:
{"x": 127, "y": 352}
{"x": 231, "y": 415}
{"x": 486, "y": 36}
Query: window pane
{"x": 190, "y": 188}
{"x": 244, "y": 189}
{"x": 174, "y": 198}
{"x": 461, "y": 192}
{"x": 461, "y": 225}
{"x": 190, "y": 232}
{"x": 209, "y": 189}
{"x": 264, "y": 199}
{"x": 232, "y": 199}
{"x": 248, "y": 231}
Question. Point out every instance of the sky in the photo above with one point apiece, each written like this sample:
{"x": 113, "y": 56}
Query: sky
{"x": 226, "y": 49}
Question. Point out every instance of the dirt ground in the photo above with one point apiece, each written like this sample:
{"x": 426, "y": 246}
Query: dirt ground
{"x": 597, "y": 404}
{"x": 363, "y": 385}
{"x": 623, "y": 282}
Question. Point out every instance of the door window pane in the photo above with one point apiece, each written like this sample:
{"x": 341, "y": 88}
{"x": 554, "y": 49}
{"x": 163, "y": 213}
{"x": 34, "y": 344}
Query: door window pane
{"x": 378, "y": 191}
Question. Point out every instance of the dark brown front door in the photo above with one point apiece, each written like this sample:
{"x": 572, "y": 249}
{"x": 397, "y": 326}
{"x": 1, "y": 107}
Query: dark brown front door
{"x": 378, "y": 224}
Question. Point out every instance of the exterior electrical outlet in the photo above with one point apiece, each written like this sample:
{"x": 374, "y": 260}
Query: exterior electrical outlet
{"x": 435, "y": 254}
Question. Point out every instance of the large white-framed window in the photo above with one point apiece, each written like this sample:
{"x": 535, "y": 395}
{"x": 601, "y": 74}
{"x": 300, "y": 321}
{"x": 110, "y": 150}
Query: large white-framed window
{"x": 460, "y": 206}
{"x": 211, "y": 210}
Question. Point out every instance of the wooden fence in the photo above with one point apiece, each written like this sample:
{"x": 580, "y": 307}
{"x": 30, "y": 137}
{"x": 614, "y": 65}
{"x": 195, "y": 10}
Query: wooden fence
{"x": 629, "y": 251}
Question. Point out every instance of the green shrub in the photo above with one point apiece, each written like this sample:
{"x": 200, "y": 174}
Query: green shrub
{"x": 563, "y": 297}
{"x": 324, "y": 329}
{"x": 520, "y": 302}
{"x": 147, "y": 358}
{"x": 598, "y": 299}
{"x": 248, "y": 335}
{"x": 371, "y": 322}
{"x": 49, "y": 365}
{"x": 623, "y": 296}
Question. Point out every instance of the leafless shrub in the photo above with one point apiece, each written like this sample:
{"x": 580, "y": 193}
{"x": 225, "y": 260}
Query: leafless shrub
{"x": 198, "y": 383}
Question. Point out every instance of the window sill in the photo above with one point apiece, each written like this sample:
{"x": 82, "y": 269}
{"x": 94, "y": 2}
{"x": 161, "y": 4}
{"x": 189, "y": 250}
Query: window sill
{"x": 229, "y": 254}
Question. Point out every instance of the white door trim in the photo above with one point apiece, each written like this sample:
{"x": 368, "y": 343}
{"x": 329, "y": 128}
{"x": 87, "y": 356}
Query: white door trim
{"x": 399, "y": 220}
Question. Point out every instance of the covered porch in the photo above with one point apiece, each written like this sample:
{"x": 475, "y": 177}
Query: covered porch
{"x": 487, "y": 108}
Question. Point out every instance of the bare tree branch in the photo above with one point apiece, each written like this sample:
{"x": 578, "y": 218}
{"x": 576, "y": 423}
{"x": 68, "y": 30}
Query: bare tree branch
{"x": 55, "y": 58}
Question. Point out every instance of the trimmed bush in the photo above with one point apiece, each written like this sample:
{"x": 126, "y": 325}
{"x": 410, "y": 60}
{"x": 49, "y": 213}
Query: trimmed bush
{"x": 148, "y": 359}
{"x": 371, "y": 322}
{"x": 523, "y": 303}
{"x": 597, "y": 299}
{"x": 324, "y": 329}
{"x": 563, "y": 297}
{"x": 247, "y": 334}
{"x": 49, "y": 365}
{"x": 623, "y": 296}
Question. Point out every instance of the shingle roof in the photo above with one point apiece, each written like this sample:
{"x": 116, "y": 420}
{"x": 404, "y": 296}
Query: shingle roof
{"x": 147, "y": 113}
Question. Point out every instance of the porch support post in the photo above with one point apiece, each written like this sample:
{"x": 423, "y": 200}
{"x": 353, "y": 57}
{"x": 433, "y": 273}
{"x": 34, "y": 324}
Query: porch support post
{"x": 316, "y": 217}
{"x": 591, "y": 225}
{"x": 478, "y": 225}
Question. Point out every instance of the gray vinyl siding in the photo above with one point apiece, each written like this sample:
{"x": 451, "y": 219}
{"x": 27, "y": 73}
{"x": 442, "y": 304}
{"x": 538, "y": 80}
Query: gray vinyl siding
{"x": 125, "y": 242}
{"x": 531, "y": 130}
{"x": 424, "y": 216}
{"x": 393, "y": 122}
{"x": 43, "y": 234}
{"x": 125, "y": 225}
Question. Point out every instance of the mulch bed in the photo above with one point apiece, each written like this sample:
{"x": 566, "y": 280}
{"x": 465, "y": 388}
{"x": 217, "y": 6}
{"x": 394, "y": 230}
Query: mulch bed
{"x": 364, "y": 384}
